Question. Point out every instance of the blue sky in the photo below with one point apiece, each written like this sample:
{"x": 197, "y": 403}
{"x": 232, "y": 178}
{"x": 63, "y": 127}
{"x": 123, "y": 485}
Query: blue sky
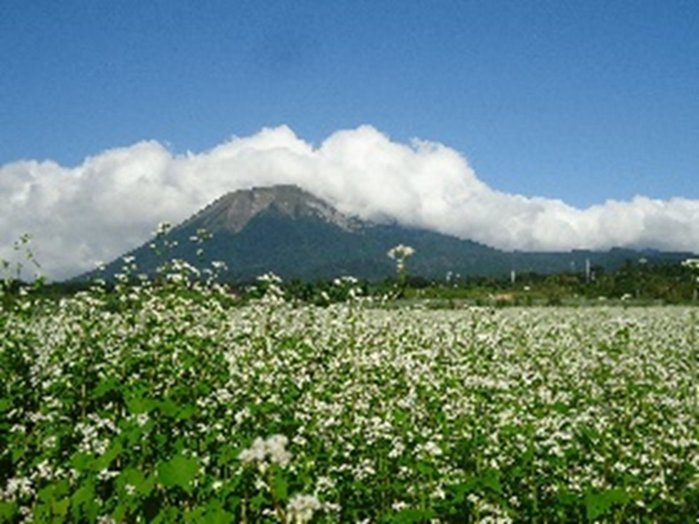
{"x": 581, "y": 101}
{"x": 564, "y": 124}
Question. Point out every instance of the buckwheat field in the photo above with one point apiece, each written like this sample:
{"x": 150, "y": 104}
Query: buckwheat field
{"x": 172, "y": 404}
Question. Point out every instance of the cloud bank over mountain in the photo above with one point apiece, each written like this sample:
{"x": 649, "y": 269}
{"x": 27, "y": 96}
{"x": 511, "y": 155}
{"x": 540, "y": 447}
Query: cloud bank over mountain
{"x": 79, "y": 216}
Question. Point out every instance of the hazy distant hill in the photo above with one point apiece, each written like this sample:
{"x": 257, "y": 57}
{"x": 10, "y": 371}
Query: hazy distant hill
{"x": 294, "y": 234}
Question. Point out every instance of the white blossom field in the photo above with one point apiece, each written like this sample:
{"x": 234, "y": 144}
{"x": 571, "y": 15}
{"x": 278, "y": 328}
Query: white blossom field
{"x": 166, "y": 404}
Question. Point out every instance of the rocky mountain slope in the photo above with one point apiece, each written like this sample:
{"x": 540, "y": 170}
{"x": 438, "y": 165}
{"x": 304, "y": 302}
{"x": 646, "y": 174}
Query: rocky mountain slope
{"x": 294, "y": 234}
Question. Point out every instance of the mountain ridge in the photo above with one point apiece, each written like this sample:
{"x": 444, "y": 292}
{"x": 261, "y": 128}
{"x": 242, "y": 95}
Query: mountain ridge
{"x": 239, "y": 207}
{"x": 295, "y": 234}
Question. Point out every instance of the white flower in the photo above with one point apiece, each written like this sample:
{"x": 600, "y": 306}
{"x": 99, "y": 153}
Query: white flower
{"x": 399, "y": 505}
{"x": 21, "y": 486}
{"x": 276, "y": 448}
{"x": 400, "y": 252}
{"x": 273, "y": 448}
{"x": 43, "y": 470}
{"x": 301, "y": 508}
{"x": 397, "y": 450}
{"x": 269, "y": 278}
{"x": 163, "y": 228}
{"x": 106, "y": 474}
{"x": 255, "y": 453}
{"x": 439, "y": 494}
{"x": 241, "y": 415}
{"x": 345, "y": 281}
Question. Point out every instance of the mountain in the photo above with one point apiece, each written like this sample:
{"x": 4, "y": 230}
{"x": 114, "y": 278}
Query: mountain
{"x": 234, "y": 211}
{"x": 294, "y": 234}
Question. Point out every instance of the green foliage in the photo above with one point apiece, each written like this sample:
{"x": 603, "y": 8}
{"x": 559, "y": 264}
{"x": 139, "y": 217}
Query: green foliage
{"x": 174, "y": 402}
{"x": 598, "y": 504}
{"x": 179, "y": 471}
{"x": 634, "y": 283}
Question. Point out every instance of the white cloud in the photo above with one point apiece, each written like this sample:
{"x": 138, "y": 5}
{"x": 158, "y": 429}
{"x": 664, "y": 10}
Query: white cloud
{"x": 113, "y": 201}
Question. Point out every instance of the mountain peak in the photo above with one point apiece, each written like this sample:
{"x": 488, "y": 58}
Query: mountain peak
{"x": 295, "y": 234}
{"x": 234, "y": 210}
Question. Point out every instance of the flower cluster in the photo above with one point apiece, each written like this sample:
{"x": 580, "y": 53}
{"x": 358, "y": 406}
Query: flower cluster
{"x": 113, "y": 400}
{"x": 264, "y": 452}
{"x": 301, "y": 508}
{"x": 400, "y": 252}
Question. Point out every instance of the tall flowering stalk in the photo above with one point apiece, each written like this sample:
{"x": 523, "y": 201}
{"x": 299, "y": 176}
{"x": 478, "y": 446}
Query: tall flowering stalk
{"x": 400, "y": 253}
{"x": 693, "y": 265}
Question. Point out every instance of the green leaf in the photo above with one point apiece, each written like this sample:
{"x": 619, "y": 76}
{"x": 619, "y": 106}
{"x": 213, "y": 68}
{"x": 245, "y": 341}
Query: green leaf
{"x": 112, "y": 452}
{"x": 215, "y": 514}
{"x": 60, "y": 507}
{"x": 425, "y": 467}
{"x": 7, "y": 511}
{"x": 461, "y": 489}
{"x": 166, "y": 515}
{"x": 169, "y": 408}
{"x": 186, "y": 411}
{"x": 81, "y": 461}
{"x": 490, "y": 479}
{"x": 411, "y": 516}
{"x": 179, "y": 471}
{"x": 219, "y": 516}
{"x": 138, "y": 405}
{"x": 195, "y": 515}
{"x": 132, "y": 435}
{"x": 83, "y": 494}
{"x": 104, "y": 387}
{"x": 228, "y": 454}
{"x": 46, "y": 493}
{"x": 120, "y": 512}
{"x": 258, "y": 501}
{"x": 18, "y": 452}
{"x": 137, "y": 479}
{"x": 279, "y": 487}
{"x": 83, "y": 503}
{"x": 598, "y": 504}
{"x": 400, "y": 417}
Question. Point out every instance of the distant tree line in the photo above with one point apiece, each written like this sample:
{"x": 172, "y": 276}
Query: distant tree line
{"x": 634, "y": 282}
